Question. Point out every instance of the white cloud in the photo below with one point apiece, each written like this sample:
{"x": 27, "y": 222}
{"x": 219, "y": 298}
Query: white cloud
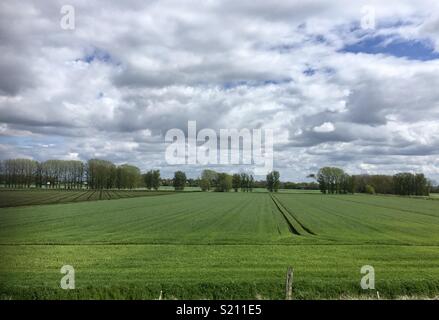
{"x": 324, "y": 127}
{"x": 130, "y": 71}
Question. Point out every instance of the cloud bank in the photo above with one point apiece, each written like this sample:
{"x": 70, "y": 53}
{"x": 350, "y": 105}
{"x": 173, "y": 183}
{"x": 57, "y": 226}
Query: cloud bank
{"x": 334, "y": 92}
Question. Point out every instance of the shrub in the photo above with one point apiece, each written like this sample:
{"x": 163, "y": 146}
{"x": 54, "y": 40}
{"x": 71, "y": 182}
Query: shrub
{"x": 369, "y": 189}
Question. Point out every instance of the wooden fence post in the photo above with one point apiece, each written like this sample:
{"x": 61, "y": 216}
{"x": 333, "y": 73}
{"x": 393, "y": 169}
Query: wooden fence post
{"x": 289, "y": 284}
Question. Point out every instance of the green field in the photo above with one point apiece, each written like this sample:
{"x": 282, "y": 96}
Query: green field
{"x": 222, "y": 245}
{"x": 170, "y": 188}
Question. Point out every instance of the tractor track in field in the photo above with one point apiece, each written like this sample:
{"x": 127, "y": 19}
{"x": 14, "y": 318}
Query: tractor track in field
{"x": 291, "y": 227}
{"x": 289, "y": 224}
{"x": 286, "y": 213}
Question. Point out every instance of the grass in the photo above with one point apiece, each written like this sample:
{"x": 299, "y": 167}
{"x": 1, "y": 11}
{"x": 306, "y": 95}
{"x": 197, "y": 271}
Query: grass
{"x": 221, "y": 246}
{"x": 216, "y": 272}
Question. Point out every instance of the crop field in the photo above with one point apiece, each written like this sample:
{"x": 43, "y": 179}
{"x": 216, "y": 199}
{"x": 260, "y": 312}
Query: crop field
{"x": 222, "y": 246}
{"x": 12, "y": 198}
{"x": 186, "y": 189}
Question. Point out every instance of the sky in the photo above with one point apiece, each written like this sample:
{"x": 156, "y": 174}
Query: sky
{"x": 335, "y": 88}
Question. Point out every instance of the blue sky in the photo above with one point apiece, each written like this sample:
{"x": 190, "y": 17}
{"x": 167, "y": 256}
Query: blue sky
{"x": 413, "y": 49}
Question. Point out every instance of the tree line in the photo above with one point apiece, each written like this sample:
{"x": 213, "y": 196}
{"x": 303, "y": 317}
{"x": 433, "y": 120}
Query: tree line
{"x": 335, "y": 181}
{"x": 103, "y": 174}
{"x": 211, "y": 180}
{"x": 68, "y": 174}
{"x": 152, "y": 179}
{"x": 25, "y": 173}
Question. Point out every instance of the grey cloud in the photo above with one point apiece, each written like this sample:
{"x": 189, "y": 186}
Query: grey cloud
{"x": 226, "y": 64}
{"x": 15, "y": 75}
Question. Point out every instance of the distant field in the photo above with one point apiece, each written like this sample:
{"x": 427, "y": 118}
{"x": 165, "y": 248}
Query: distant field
{"x": 264, "y": 190}
{"x": 170, "y": 188}
{"x": 14, "y": 198}
{"x": 222, "y": 245}
{"x": 299, "y": 191}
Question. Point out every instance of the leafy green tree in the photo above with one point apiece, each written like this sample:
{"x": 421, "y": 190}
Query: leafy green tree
{"x": 351, "y": 184}
{"x": 323, "y": 179}
{"x": 247, "y": 182}
{"x": 152, "y": 179}
{"x": 273, "y": 182}
{"x": 148, "y": 179}
{"x": 101, "y": 174}
{"x": 223, "y": 183}
{"x": 276, "y": 181}
{"x": 128, "y": 177}
{"x": 251, "y": 183}
{"x": 179, "y": 180}
{"x": 156, "y": 179}
{"x": 407, "y": 184}
{"x": 236, "y": 182}
{"x": 270, "y": 181}
{"x": 333, "y": 180}
{"x": 370, "y": 189}
{"x": 204, "y": 185}
{"x": 208, "y": 179}
{"x": 382, "y": 183}
{"x": 19, "y": 173}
